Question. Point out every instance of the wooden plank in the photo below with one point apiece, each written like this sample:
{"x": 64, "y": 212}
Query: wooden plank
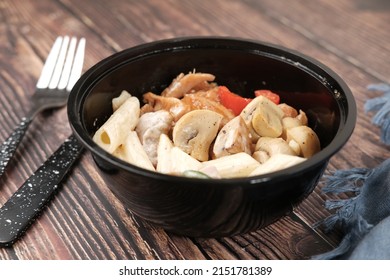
{"x": 86, "y": 221}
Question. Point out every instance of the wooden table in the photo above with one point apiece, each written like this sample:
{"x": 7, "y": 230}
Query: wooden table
{"x": 85, "y": 220}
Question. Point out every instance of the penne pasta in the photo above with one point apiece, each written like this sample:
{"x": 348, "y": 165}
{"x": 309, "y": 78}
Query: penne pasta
{"x": 114, "y": 131}
{"x": 236, "y": 165}
{"x": 132, "y": 152}
{"x": 118, "y": 101}
{"x": 172, "y": 160}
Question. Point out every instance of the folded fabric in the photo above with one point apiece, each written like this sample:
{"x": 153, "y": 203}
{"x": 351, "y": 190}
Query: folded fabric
{"x": 381, "y": 105}
{"x": 375, "y": 245}
{"x": 364, "y": 218}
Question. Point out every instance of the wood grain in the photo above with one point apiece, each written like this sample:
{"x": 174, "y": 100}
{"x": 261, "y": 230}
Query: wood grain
{"x": 85, "y": 220}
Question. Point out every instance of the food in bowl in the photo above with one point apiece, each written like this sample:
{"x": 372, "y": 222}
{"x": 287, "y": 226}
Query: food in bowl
{"x": 197, "y": 128}
{"x": 211, "y": 207}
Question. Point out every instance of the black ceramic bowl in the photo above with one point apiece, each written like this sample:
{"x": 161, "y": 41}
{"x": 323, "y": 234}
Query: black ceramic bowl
{"x": 214, "y": 207}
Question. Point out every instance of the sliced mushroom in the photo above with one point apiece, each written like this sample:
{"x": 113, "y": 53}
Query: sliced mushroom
{"x": 288, "y": 110}
{"x": 247, "y": 114}
{"x": 287, "y": 123}
{"x": 267, "y": 118}
{"x": 302, "y": 118}
{"x": 172, "y": 160}
{"x": 266, "y": 147}
{"x": 194, "y": 132}
{"x": 290, "y": 122}
{"x": 305, "y": 138}
{"x": 263, "y": 118}
{"x": 233, "y": 138}
{"x": 275, "y": 163}
{"x": 295, "y": 146}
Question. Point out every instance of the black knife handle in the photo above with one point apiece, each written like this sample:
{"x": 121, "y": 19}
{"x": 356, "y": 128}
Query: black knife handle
{"x": 9, "y": 146}
{"x": 18, "y": 213}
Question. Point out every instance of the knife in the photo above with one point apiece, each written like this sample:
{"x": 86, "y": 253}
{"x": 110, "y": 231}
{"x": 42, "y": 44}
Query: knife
{"x": 23, "y": 207}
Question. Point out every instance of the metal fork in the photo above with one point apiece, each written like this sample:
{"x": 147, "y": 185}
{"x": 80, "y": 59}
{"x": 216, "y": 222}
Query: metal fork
{"x": 62, "y": 69}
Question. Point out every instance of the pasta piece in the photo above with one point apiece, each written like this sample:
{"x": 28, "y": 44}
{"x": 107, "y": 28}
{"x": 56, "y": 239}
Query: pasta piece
{"x": 132, "y": 152}
{"x": 275, "y": 163}
{"x": 236, "y": 165}
{"x": 164, "y": 148}
{"x": 114, "y": 131}
{"x": 172, "y": 160}
{"x": 181, "y": 161}
{"x": 118, "y": 101}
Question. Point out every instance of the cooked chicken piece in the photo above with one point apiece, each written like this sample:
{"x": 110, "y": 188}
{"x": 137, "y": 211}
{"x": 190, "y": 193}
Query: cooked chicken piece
{"x": 199, "y": 102}
{"x": 173, "y": 105}
{"x": 178, "y": 107}
{"x": 183, "y": 84}
{"x": 147, "y": 108}
{"x": 233, "y": 138}
{"x": 210, "y": 93}
{"x": 150, "y": 127}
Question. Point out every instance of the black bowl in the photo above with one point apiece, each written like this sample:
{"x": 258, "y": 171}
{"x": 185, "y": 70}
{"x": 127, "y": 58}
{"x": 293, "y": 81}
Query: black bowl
{"x": 214, "y": 207}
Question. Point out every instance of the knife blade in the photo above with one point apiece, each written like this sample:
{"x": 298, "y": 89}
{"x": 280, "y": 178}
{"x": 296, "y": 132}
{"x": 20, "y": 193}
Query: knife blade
{"x": 23, "y": 207}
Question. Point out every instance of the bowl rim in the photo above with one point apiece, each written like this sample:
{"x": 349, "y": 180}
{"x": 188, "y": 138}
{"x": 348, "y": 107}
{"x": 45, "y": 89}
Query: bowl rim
{"x": 274, "y": 51}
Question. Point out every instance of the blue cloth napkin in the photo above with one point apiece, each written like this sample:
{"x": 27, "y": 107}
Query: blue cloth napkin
{"x": 364, "y": 218}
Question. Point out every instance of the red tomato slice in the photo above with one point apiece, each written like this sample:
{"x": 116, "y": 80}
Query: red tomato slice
{"x": 274, "y": 97}
{"x": 231, "y": 100}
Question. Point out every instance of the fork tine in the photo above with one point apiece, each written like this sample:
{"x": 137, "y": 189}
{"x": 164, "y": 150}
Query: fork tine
{"x": 68, "y": 64}
{"x": 59, "y": 64}
{"x": 49, "y": 65}
{"x": 63, "y": 67}
{"x": 77, "y": 64}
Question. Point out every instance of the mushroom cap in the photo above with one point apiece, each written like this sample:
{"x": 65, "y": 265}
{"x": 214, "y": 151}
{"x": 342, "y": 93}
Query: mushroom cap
{"x": 267, "y": 118}
{"x": 195, "y": 131}
{"x": 306, "y": 138}
{"x": 234, "y": 137}
{"x": 274, "y": 146}
{"x": 288, "y": 111}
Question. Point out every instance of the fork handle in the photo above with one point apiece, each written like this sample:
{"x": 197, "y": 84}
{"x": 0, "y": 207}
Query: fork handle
{"x": 18, "y": 213}
{"x": 9, "y": 146}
